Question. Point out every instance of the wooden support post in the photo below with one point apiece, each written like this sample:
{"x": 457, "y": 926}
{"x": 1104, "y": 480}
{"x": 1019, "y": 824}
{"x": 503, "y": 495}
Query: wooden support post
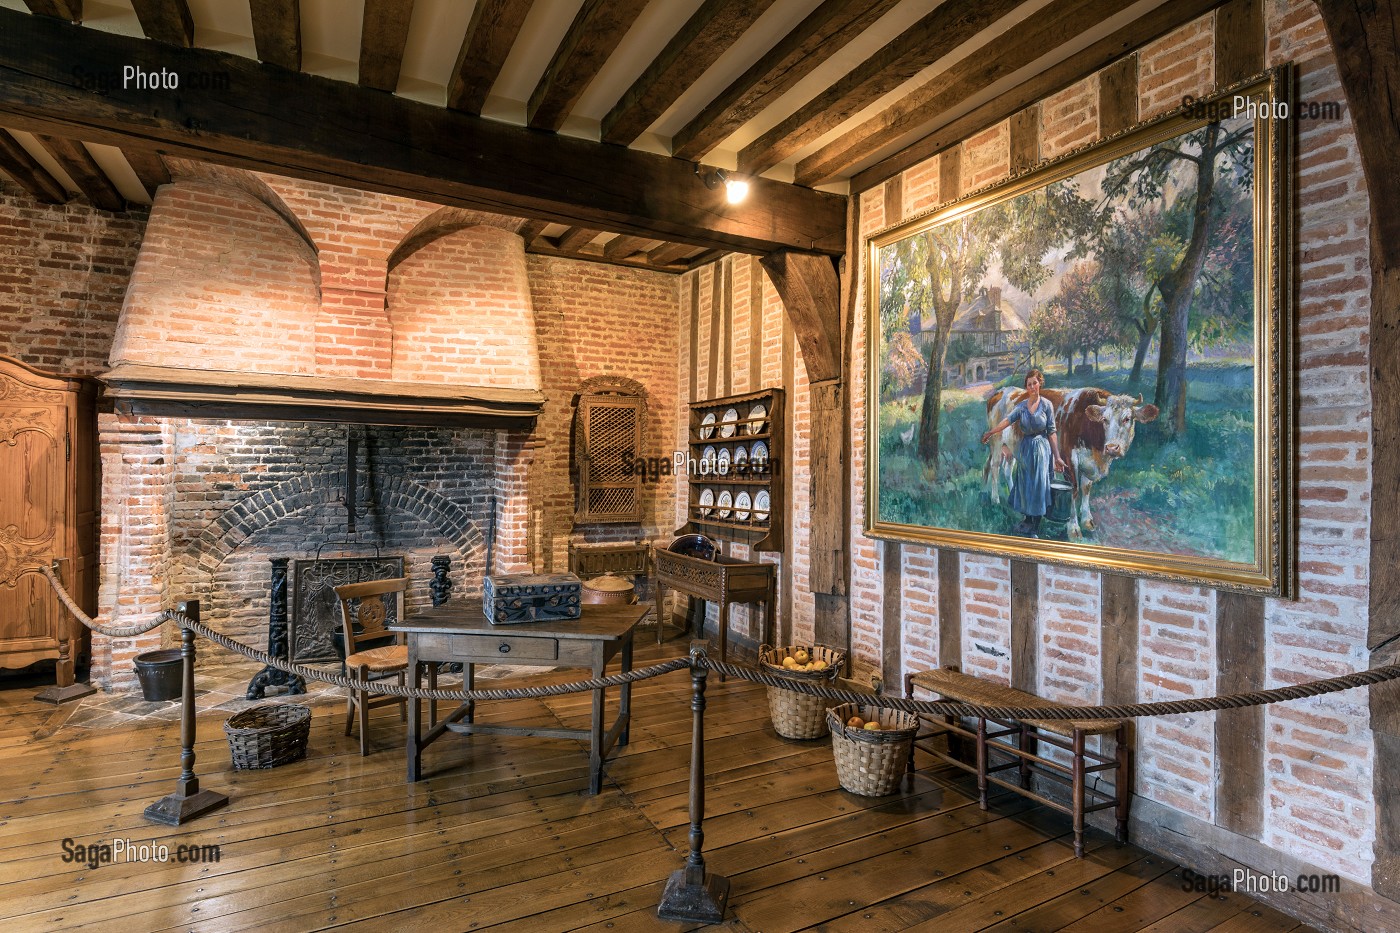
{"x": 188, "y": 801}
{"x": 693, "y": 895}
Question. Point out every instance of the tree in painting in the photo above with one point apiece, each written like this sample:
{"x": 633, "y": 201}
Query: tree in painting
{"x": 1215, "y": 156}
{"x": 1140, "y": 270}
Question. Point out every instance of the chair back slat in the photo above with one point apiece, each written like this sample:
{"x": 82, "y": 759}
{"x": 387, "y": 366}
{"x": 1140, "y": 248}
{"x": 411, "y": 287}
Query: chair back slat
{"x": 365, "y": 603}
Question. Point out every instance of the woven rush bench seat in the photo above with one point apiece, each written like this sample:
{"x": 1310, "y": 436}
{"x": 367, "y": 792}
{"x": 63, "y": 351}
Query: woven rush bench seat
{"x": 1015, "y": 744}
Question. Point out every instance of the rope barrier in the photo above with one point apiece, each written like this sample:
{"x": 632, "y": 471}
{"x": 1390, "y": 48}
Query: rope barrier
{"x": 1301, "y": 691}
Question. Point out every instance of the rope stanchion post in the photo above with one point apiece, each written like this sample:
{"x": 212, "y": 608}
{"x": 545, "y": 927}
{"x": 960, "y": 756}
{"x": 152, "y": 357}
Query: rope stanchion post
{"x": 693, "y": 895}
{"x": 188, "y": 801}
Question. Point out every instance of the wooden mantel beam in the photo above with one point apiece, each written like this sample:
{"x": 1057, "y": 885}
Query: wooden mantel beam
{"x": 273, "y": 120}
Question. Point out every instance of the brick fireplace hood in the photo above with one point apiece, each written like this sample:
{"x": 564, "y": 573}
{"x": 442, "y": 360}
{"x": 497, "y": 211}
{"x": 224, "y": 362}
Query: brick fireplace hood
{"x": 144, "y": 389}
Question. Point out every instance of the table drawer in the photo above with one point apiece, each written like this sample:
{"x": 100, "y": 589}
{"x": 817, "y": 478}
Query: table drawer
{"x": 506, "y": 647}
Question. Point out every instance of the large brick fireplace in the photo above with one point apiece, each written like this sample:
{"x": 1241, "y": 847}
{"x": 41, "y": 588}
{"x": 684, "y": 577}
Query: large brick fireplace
{"x": 303, "y": 371}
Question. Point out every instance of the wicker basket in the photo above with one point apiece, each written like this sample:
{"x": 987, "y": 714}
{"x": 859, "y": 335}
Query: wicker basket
{"x": 797, "y": 715}
{"x": 268, "y": 736}
{"x": 871, "y": 763}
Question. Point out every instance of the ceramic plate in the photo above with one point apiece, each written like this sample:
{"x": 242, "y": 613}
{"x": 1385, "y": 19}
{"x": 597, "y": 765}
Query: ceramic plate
{"x": 722, "y": 465}
{"x": 761, "y": 506}
{"x": 707, "y": 461}
{"x": 758, "y": 457}
{"x": 707, "y": 499}
{"x": 741, "y": 460}
{"x": 759, "y": 426}
{"x": 725, "y": 500}
{"x": 707, "y": 426}
{"x": 741, "y": 506}
{"x": 726, "y": 429}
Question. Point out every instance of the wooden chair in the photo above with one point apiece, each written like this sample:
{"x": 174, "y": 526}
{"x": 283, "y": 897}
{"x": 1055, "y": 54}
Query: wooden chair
{"x": 363, "y": 613}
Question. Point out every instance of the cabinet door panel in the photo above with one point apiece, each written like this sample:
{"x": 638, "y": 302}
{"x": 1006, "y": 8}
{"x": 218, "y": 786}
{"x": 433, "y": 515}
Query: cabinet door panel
{"x": 32, "y": 507}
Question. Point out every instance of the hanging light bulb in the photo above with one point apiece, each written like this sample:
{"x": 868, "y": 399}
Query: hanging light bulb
{"x": 736, "y": 189}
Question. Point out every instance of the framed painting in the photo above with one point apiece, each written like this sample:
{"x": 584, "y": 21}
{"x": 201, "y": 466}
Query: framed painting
{"x": 1090, "y": 362}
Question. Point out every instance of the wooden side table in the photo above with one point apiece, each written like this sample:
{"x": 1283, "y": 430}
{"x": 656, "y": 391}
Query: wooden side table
{"x": 723, "y": 580}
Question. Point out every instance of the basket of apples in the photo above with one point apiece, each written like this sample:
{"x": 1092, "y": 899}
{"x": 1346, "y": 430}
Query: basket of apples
{"x": 797, "y": 715}
{"x": 872, "y": 745}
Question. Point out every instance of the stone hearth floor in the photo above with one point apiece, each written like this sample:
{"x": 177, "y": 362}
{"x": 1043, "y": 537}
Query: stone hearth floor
{"x": 226, "y": 688}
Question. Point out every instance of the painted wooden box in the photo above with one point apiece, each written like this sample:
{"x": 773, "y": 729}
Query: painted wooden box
{"x": 531, "y": 597}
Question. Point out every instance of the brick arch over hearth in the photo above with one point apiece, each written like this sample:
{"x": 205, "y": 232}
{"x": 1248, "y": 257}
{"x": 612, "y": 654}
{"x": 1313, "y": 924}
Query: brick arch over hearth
{"x": 263, "y": 508}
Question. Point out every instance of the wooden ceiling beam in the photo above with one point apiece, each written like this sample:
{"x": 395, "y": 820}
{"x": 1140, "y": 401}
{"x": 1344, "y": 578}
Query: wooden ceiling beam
{"x": 383, "y": 36}
{"x": 707, "y": 35}
{"x": 937, "y": 34}
{"x": 71, "y": 10}
{"x": 491, "y": 34}
{"x": 620, "y": 247}
{"x": 593, "y": 36}
{"x": 1060, "y": 22}
{"x": 149, "y": 168}
{"x": 1150, "y": 26}
{"x": 277, "y": 31}
{"x": 669, "y": 253}
{"x": 542, "y": 247}
{"x": 86, "y": 174}
{"x": 167, "y": 21}
{"x": 708, "y": 256}
{"x": 821, "y": 34}
{"x": 16, "y": 162}
{"x": 530, "y": 230}
{"x": 380, "y": 142}
{"x": 576, "y": 238}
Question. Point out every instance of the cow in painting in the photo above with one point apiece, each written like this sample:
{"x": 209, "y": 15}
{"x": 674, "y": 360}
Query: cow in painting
{"x": 1093, "y": 426}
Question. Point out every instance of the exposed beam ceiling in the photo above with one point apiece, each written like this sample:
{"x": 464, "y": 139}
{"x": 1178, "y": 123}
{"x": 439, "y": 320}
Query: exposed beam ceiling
{"x": 71, "y": 10}
{"x": 166, "y": 21}
{"x": 149, "y": 168}
{"x": 937, "y": 34}
{"x": 74, "y": 158}
{"x": 494, "y": 26}
{"x": 592, "y": 37}
{"x": 277, "y": 31}
{"x": 706, "y": 36}
{"x": 384, "y": 143}
{"x": 949, "y": 91}
{"x": 575, "y": 239}
{"x": 622, "y": 247}
{"x": 821, "y": 34}
{"x": 16, "y": 162}
{"x": 1151, "y": 25}
{"x": 383, "y": 36}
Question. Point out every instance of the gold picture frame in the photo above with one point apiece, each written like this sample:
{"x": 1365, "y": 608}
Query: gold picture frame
{"x": 1074, "y": 260}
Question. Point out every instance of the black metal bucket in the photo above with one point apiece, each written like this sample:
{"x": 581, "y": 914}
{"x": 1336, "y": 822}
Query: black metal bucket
{"x": 161, "y": 674}
{"x": 1061, "y": 501}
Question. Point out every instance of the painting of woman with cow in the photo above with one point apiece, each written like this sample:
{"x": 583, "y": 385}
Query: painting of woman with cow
{"x": 1075, "y": 357}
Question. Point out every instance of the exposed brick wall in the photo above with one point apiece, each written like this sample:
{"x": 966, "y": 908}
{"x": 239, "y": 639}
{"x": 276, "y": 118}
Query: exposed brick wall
{"x": 1070, "y": 118}
{"x": 1318, "y": 763}
{"x": 220, "y": 279}
{"x": 63, "y": 273}
{"x": 460, "y": 308}
{"x": 986, "y": 157}
{"x": 599, "y": 320}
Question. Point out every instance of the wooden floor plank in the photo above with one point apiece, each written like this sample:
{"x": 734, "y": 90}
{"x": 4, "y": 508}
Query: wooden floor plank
{"x": 502, "y": 834}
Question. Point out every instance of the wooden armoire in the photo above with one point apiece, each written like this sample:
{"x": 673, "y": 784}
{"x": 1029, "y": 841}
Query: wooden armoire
{"x": 48, "y": 513}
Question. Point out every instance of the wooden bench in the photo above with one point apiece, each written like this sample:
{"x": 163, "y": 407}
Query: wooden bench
{"x": 1016, "y": 743}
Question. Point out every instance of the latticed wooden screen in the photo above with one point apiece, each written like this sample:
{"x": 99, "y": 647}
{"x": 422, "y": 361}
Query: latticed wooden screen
{"x": 607, "y": 441}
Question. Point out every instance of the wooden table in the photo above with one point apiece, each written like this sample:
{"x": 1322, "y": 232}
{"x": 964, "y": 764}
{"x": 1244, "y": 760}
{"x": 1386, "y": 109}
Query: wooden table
{"x": 462, "y": 634}
{"x": 723, "y": 580}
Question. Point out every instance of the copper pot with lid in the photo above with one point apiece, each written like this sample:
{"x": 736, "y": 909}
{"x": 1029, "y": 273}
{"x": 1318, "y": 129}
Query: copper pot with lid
{"x": 607, "y": 590}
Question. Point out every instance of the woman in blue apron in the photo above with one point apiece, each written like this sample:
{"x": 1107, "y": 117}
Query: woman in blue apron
{"x": 1036, "y": 454}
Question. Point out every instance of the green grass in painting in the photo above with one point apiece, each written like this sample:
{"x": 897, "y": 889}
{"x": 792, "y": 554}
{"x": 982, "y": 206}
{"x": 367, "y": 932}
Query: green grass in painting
{"x": 1190, "y": 496}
